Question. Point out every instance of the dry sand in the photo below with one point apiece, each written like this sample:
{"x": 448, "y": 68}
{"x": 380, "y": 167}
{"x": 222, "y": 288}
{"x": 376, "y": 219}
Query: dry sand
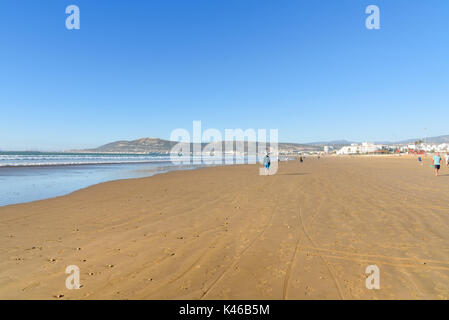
{"x": 307, "y": 232}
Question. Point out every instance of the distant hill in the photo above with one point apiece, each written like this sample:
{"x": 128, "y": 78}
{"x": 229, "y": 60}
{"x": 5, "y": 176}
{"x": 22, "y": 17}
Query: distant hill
{"x": 330, "y": 143}
{"x": 336, "y": 144}
{"x": 144, "y": 145}
{"x": 156, "y": 145}
{"x": 435, "y": 140}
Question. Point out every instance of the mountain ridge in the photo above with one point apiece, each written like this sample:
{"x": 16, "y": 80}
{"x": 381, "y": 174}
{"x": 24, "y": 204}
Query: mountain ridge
{"x": 157, "y": 145}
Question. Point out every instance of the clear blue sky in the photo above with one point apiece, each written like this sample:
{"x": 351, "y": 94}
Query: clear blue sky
{"x": 143, "y": 68}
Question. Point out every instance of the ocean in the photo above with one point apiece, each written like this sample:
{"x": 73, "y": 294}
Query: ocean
{"x": 30, "y": 176}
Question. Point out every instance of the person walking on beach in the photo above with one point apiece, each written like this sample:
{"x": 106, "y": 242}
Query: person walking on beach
{"x": 300, "y": 159}
{"x": 436, "y": 163}
{"x": 266, "y": 163}
{"x": 447, "y": 159}
{"x": 420, "y": 160}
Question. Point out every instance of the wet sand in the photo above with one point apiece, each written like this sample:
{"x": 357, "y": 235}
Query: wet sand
{"x": 308, "y": 232}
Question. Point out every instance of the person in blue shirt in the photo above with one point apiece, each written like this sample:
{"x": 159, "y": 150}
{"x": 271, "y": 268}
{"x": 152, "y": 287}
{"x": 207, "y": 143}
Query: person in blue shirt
{"x": 436, "y": 163}
{"x": 267, "y": 163}
{"x": 420, "y": 160}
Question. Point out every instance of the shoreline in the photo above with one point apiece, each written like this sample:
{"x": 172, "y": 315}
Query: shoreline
{"x": 52, "y": 165}
{"x": 166, "y": 169}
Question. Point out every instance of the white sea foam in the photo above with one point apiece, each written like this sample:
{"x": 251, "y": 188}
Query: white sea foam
{"x": 26, "y": 159}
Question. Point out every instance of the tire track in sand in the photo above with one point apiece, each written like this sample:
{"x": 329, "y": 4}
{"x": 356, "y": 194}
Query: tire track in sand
{"x": 297, "y": 249}
{"x": 201, "y": 256}
{"x": 328, "y": 265}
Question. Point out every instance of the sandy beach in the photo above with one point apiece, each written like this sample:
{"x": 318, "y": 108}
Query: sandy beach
{"x": 308, "y": 232}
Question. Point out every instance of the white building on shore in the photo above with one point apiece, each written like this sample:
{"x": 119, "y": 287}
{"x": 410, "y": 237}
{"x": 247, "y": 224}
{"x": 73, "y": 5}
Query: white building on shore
{"x": 355, "y": 148}
{"x": 427, "y": 147}
{"x": 370, "y": 148}
{"x": 327, "y": 149}
{"x": 443, "y": 147}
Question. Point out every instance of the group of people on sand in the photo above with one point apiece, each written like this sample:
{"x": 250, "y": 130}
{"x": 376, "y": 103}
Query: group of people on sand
{"x": 436, "y": 162}
{"x": 267, "y": 162}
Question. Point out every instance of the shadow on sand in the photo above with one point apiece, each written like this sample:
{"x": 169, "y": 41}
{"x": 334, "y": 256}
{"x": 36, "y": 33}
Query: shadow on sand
{"x": 293, "y": 174}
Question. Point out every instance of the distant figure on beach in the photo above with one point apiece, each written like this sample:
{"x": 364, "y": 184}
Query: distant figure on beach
{"x": 300, "y": 159}
{"x": 266, "y": 163}
{"x": 447, "y": 159}
{"x": 420, "y": 160}
{"x": 436, "y": 163}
